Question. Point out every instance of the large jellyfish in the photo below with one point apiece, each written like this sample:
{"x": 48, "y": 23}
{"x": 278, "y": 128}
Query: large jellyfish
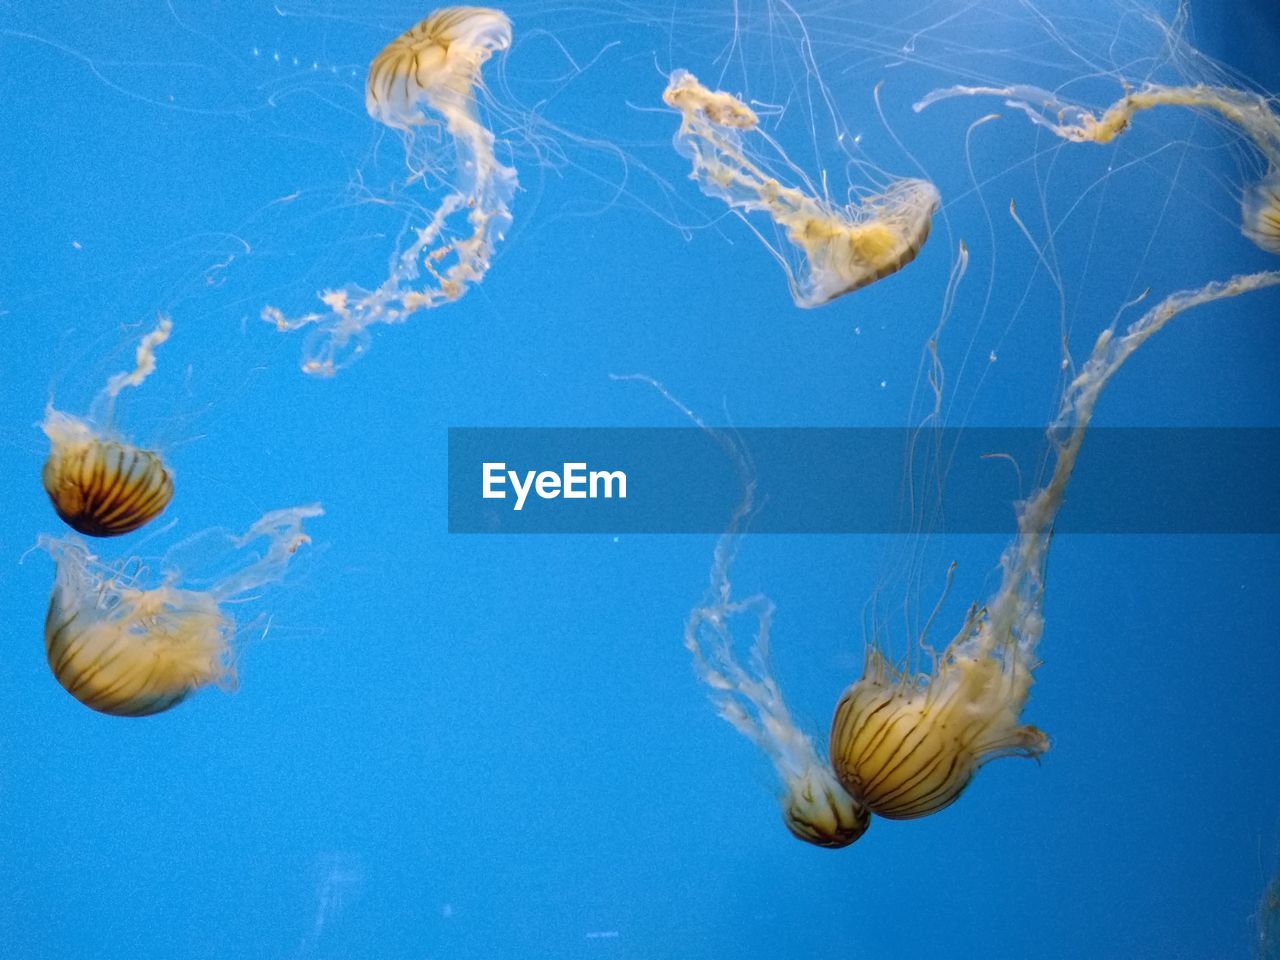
{"x": 128, "y": 649}
{"x": 906, "y": 745}
{"x": 1252, "y": 113}
{"x": 815, "y": 808}
{"x": 436, "y": 66}
{"x": 99, "y": 483}
{"x": 835, "y": 248}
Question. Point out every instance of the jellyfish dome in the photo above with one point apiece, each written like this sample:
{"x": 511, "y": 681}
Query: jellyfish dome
{"x": 100, "y": 487}
{"x": 438, "y": 59}
{"x": 128, "y": 651}
{"x": 906, "y": 750}
{"x": 100, "y": 484}
{"x": 1260, "y": 213}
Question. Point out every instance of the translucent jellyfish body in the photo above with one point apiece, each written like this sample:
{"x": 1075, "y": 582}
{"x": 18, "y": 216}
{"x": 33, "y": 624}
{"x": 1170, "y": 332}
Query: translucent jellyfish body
{"x": 123, "y": 648}
{"x": 831, "y": 249}
{"x": 100, "y": 484}
{"x": 815, "y": 807}
{"x": 1253, "y": 114}
{"x": 433, "y": 67}
{"x": 906, "y": 745}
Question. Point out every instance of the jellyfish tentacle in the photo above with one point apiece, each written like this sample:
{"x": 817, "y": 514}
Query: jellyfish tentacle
{"x": 1252, "y": 114}
{"x": 144, "y": 366}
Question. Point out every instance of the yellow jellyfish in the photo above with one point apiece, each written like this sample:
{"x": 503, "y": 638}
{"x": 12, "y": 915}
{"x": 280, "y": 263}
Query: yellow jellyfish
{"x": 1252, "y": 113}
{"x": 906, "y": 745}
{"x": 100, "y": 484}
{"x": 435, "y": 65}
{"x": 127, "y": 649}
{"x": 840, "y": 247}
{"x": 815, "y": 808}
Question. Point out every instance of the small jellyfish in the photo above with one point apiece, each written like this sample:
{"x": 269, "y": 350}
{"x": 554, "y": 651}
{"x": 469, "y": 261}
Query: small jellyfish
{"x": 815, "y": 808}
{"x": 906, "y": 745}
{"x": 837, "y": 248}
{"x": 1267, "y": 921}
{"x": 100, "y": 484}
{"x": 130, "y": 650}
{"x": 1252, "y": 113}
{"x": 435, "y": 65}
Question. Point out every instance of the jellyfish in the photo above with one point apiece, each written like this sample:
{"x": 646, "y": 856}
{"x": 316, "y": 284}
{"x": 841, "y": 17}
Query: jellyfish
{"x": 124, "y": 648}
{"x": 840, "y": 247}
{"x": 1267, "y": 922}
{"x": 906, "y": 745}
{"x": 1252, "y": 113}
{"x": 435, "y": 66}
{"x": 99, "y": 483}
{"x": 815, "y": 807}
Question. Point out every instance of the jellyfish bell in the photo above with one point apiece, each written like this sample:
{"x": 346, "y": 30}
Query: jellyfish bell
{"x": 128, "y": 651}
{"x": 831, "y": 248}
{"x": 1260, "y": 212}
{"x": 100, "y": 487}
{"x": 100, "y": 484}
{"x": 439, "y": 59}
{"x": 819, "y": 811}
{"x": 126, "y": 648}
{"x": 907, "y": 749}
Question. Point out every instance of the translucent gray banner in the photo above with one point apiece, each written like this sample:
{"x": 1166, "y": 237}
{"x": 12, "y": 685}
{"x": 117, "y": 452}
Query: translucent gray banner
{"x": 600, "y": 480}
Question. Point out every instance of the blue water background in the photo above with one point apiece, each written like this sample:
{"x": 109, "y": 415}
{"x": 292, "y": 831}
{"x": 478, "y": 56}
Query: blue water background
{"x": 469, "y": 746}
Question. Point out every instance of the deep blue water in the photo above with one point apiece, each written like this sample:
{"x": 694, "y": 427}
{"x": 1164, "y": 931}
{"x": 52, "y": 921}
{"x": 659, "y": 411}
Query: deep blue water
{"x": 455, "y": 746}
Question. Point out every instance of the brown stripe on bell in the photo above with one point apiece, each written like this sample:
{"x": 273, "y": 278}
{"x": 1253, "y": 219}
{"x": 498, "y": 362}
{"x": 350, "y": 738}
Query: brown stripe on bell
{"x": 104, "y": 488}
{"x": 906, "y": 746}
